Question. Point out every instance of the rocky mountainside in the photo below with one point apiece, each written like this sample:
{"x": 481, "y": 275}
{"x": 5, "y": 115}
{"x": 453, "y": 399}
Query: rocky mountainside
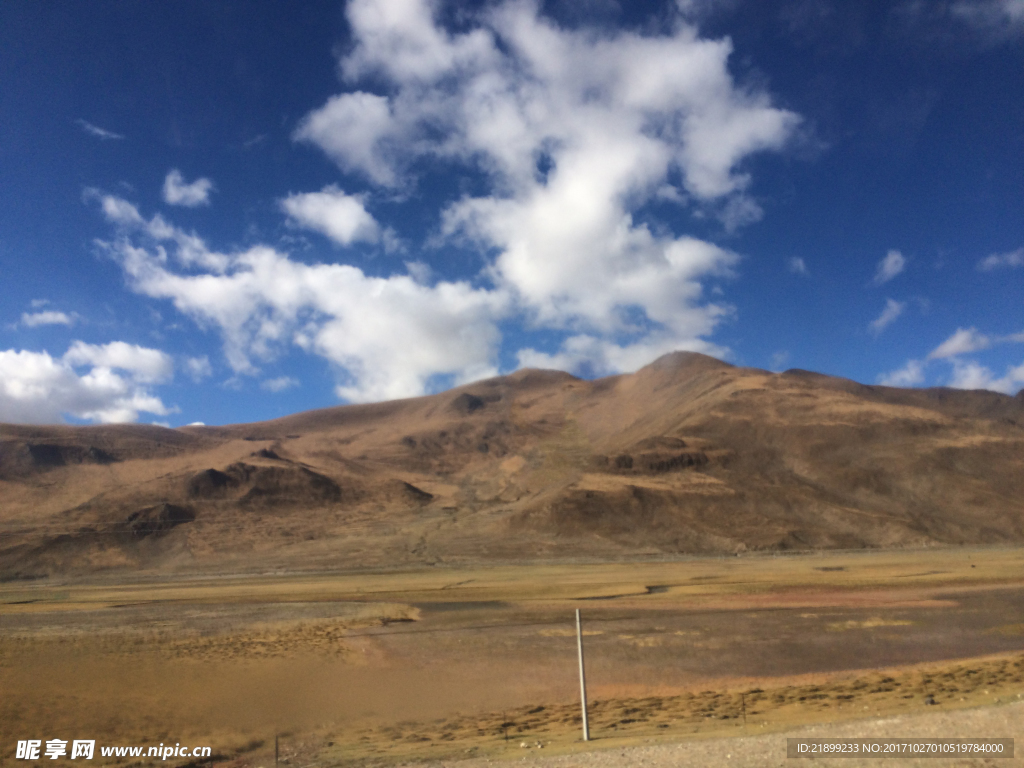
{"x": 687, "y": 455}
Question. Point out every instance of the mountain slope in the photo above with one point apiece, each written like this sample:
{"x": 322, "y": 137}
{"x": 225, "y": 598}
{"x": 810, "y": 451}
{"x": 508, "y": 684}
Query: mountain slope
{"x": 689, "y": 454}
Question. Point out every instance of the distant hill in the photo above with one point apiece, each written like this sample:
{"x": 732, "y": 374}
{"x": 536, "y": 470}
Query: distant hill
{"x": 687, "y": 455}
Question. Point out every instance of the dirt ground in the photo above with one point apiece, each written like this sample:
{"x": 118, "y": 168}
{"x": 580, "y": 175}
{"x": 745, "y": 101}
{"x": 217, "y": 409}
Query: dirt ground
{"x": 769, "y": 750}
{"x": 442, "y": 664}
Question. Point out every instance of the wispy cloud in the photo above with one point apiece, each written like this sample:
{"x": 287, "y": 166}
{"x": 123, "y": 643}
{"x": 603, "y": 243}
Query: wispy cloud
{"x": 198, "y": 368}
{"x": 1001, "y": 260}
{"x": 998, "y": 19}
{"x": 893, "y": 263}
{"x": 964, "y": 22}
{"x": 46, "y": 317}
{"x": 177, "y": 192}
{"x": 739, "y": 211}
{"x": 99, "y": 133}
{"x": 893, "y": 309}
{"x": 966, "y": 374}
{"x": 254, "y": 141}
{"x": 279, "y": 384}
{"x": 798, "y": 266}
{"x": 962, "y": 342}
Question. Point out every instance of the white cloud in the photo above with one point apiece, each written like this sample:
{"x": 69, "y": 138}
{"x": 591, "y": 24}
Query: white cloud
{"x": 177, "y": 192}
{"x": 893, "y": 309}
{"x": 356, "y": 130}
{"x": 964, "y": 341}
{"x": 389, "y": 335}
{"x": 909, "y": 375}
{"x": 572, "y": 131}
{"x": 341, "y": 217}
{"x": 190, "y": 250}
{"x": 740, "y": 211}
{"x": 968, "y": 374}
{"x": 95, "y": 130}
{"x": 47, "y": 317}
{"x": 279, "y": 384}
{"x": 999, "y": 260}
{"x": 542, "y": 90}
{"x": 101, "y": 383}
{"x": 797, "y": 266}
{"x": 150, "y": 366}
{"x": 779, "y": 359}
{"x": 893, "y": 263}
{"x": 198, "y": 368}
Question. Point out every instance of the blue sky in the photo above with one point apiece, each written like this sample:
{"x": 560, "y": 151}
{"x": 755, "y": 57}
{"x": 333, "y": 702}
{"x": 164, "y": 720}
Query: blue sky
{"x": 225, "y": 212}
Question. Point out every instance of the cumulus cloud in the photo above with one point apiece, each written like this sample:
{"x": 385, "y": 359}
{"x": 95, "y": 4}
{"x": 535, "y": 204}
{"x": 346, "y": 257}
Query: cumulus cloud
{"x": 893, "y": 263}
{"x": 99, "y": 133}
{"x": 150, "y": 366}
{"x": 341, "y": 217}
{"x": 101, "y": 383}
{"x": 909, "y": 375}
{"x": 964, "y": 341}
{"x": 388, "y": 336}
{"x": 516, "y": 87}
{"x": 569, "y": 132}
{"x": 968, "y": 374}
{"x": 46, "y": 317}
{"x": 1000, "y": 260}
{"x": 797, "y": 266}
{"x": 279, "y": 384}
{"x": 893, "y": 309}
{"x": 177, "y": 192}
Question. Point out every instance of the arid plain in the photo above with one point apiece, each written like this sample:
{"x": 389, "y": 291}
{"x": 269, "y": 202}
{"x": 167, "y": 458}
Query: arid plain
{"x": 372, "y": 584}
{"x": 434, "y": 663}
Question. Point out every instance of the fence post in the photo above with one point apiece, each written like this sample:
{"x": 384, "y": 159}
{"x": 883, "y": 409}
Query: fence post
{"x": 583, "y": 679}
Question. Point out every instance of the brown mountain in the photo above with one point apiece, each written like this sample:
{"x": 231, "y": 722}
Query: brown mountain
{"x": 687, "y": 455}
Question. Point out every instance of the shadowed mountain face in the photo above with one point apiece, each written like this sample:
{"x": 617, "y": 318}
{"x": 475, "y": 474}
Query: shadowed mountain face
{"x": 688, "y": 455}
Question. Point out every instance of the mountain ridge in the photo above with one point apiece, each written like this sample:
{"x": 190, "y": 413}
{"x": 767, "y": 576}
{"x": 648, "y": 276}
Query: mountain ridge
{"x": 687, "y": 455}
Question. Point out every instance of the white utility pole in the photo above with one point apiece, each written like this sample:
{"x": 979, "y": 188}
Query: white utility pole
{"x": 583, "y": 679}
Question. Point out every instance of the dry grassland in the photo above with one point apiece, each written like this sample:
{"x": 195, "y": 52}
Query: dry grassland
{"x": 378, "y": 668}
